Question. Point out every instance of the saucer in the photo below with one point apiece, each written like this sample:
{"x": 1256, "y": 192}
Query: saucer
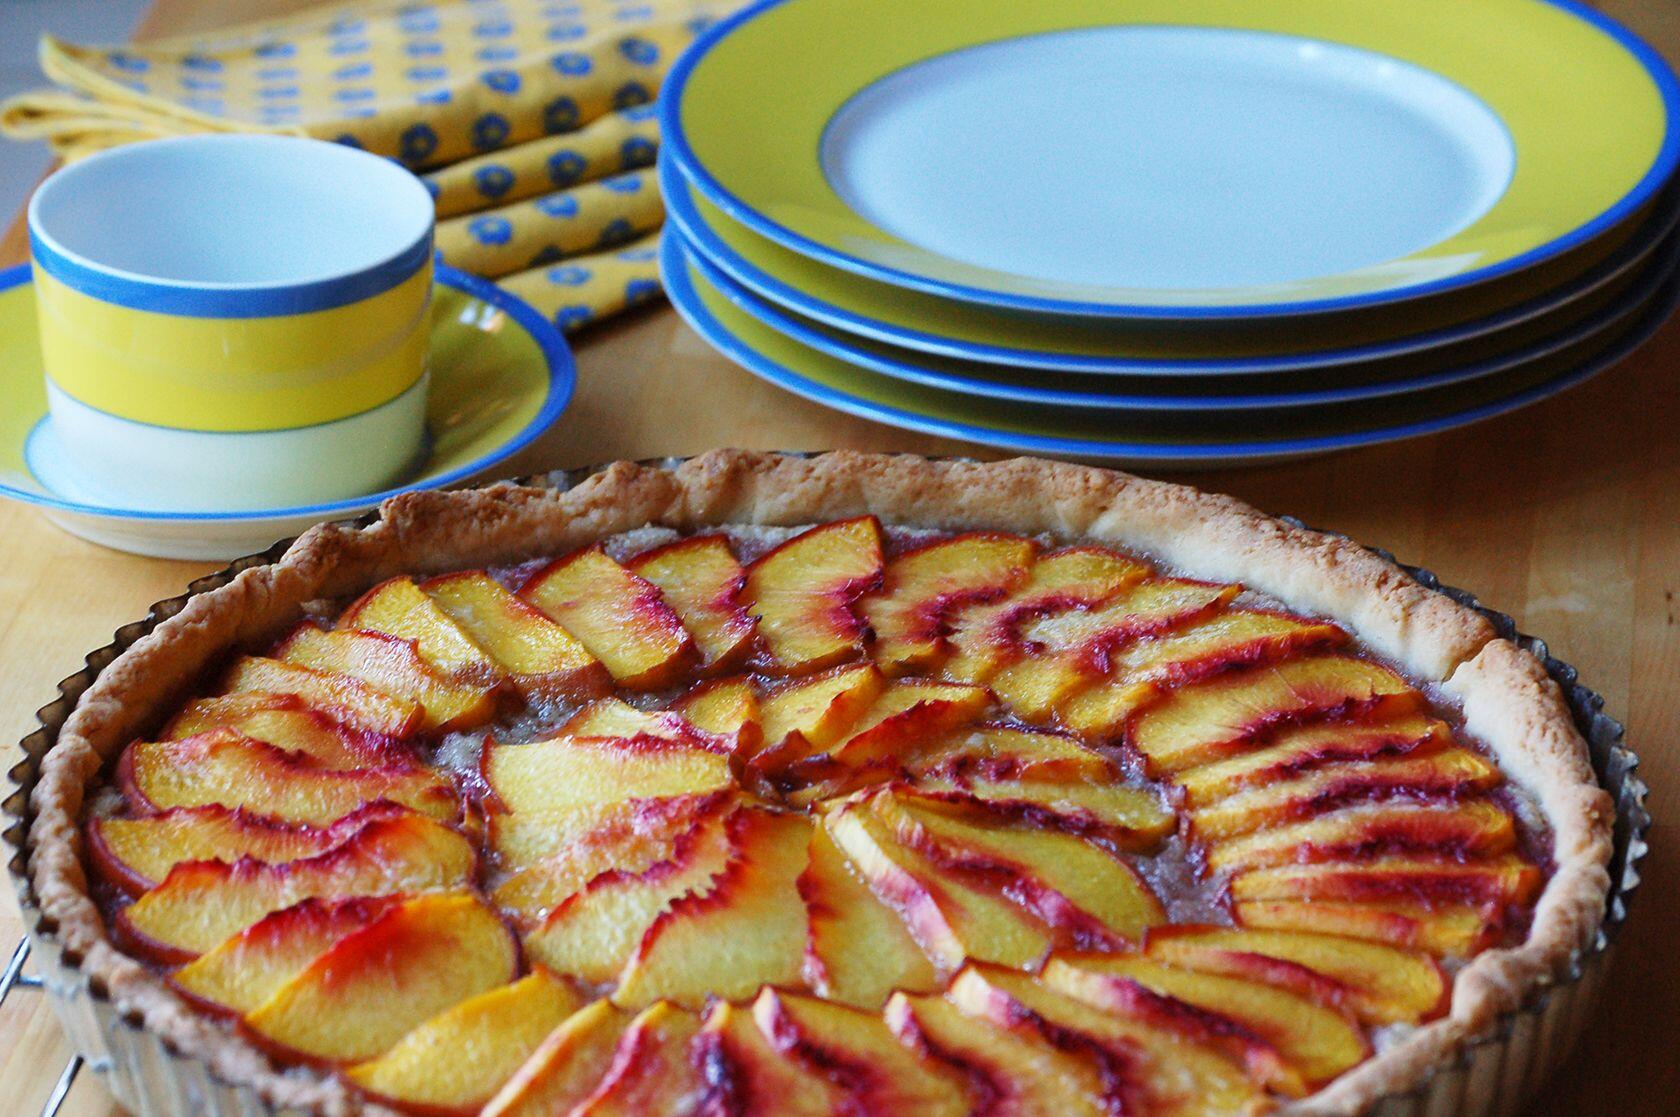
{"x": 500, "y": 375}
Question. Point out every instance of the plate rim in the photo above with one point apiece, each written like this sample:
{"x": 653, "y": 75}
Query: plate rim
{"x": 1662, "y": 169}
{"x": 562, "y": 385}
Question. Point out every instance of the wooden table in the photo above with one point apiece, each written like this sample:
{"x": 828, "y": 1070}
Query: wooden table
{"x": 1566, "y": 515}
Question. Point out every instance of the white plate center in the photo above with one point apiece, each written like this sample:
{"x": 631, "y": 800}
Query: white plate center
{"x": 1171, "y": 158}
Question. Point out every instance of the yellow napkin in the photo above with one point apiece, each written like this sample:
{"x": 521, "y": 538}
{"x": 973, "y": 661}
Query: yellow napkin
{"x": 526, "y": 118}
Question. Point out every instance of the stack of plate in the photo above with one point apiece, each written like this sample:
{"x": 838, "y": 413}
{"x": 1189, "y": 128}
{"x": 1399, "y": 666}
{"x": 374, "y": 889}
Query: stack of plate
{"x": 1177, "y": 231}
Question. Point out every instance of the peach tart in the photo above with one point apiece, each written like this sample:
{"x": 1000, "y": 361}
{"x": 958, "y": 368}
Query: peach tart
{"x": 845, "y": 785}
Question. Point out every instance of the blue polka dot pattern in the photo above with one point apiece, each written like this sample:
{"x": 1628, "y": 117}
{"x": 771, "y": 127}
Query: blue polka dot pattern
{"x": 276, "y": 50}
{"x": 128, "y": 63}
{"x": 434, "y": 97}
{"x": 640, "y": 291}
{"x": 639, "y": 51}
{"x": 571, "y": 276}
{"x": 354, "y": 95}
{"x": 490, "y": 131}
{"x": 502, "y": 81}
{"x": 497, "y": 54}
{"x": 637, "y": 255}
{"x": 277, "y": 73}
{"x": 630, "y": 94}
{"x": 348, "y": 46}
{"x": 557, "y": 205}
{"x": 490, "y": 230}
{"x": 570, "y": 317}
{"x": 353, "y": 71}
{"x": 637, "y": 151}
{"x": 493, "y": 181}
{"x": 639, "y": 113}
{"x": 277, "y": 92}
{"x": 571, "y": 64}
{"x": 547, "y": 254}
{"x": 623, "y": 184}
{"x": 493, "y": 29}
{"x": 616, "y": 231}
{"x": 201, "y": 64}
{"x": 565, "y": 32}
{"x": 423, "y": 50}
{"x": 565, "y": 168}
{"x": 417, "y": 143}
{"x": 560, "y": 115}
{"x": 427, "y": 73}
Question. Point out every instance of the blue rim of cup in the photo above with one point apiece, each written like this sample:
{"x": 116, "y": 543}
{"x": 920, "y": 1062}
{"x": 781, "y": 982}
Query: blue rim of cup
{"x": 1628, "y": 305}
{"x": 562, "y": 382}
{"x": 215, "y": 300}
{"x": 675, "y": 145}
{"x": 683, "y": 296}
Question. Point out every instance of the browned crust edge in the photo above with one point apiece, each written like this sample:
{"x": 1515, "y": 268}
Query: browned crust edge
{"x": 1508, "y": 699}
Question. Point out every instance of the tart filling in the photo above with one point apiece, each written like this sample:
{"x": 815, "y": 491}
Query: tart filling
{"x": 834, "y": 817}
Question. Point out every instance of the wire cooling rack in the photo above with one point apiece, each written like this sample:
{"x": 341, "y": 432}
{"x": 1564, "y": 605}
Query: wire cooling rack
{"x": 14, "y": 980}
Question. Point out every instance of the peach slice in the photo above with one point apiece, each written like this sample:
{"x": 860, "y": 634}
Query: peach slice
{"x": 701, "y": 582}
{"x": 1121, "y": 817}
{"x": 614, "y": 717}
{"x": 726, "y": 708}
{"x": 542, "y": 657}
{"x": 594, "y": 932}
{"x": 1449, "y": 774}
{"x": 630, "y": 843}
{"x": 1159, "y": 1064}
{"x": 221, "y": 767}
{"x": 950, "y": 919}
{"x": 1213, "y": 719}
{"x": 1223, "y": 642}
{"x": 803, "y": 595}
{"x": 857, "y": 951}
{"x": 340, "y": 697}
{"x": 747, "y": 930}
{"x": 922, "y": 587}
{"x": 457, "y": 1060}
{"x": 998, "y": 752}
{"x": 136, "y": 853}
{"x": 1379, "y": 984}
{"x": 1102, "y": 710}
{"x": 1420, "y": 878}
{"x": 249, "y": 968}
{"x": 400, "y": 608}
{"x": 620, "y": 618}
{"x": 1297, "y": 750}
{"x": 530, "y": 838}
{"x": 284, "y": 721}
{"x": 749, "y": 1078}
{"x": 373, "y": 986}
{"x": 808, "y": 716}
{"x": 201, "y": 903}
{"x": 390, "y": 666}
{"x": 653, "y": 1073}
{"x": 561, "y": 772}
{"x": 1018, "y": 1073}
{"x": 906, "y": 714}
{"x": 1087, "y": 895}
{"x": 1455, "y": 930}
{"x": 1454, "y": 830}
{"x": 566, "y": 1067}
{"x": 987, "y": 637}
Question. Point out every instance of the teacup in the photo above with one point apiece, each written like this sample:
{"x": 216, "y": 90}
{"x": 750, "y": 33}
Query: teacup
{"x": 234, "y": 322}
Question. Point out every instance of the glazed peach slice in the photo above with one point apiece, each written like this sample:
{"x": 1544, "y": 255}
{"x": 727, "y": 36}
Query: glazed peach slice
{"x": 806, "y": 717}
{"x": 1086, "y": 894}
{"x": 1223, "y": 715}
{"x": 746, "y": 1077}
{"x": 1379, "y": 984}
{"x": 1421, "y": 878}
{"x": 857, "y": 950}
{"x": 653, "y": 1073}
{"x": 1300, "y": 749}
{"x": 373, "y": 986}
{"x": 390, "y": 666}
{"x": 619, "y": 617}
{"x": 1001, "y": 752}
{"x": 1454, "y": 830}
{"x": 284, "y": 721}
{"x": 1114, "y": 814}
{"x": 701, "y": 581}
{"x": 1316, "y": 1041}
{"x": 456, "y": 1061}
{"x": 201, "y": 903}
{"x": 249, "y": 968}
{"x": 566, "y": 1066}
{"x": 803, "y": 595}
{"x": 1452, "y": 773}
{"x": 857, "y": 1048}
{"x": 950, "y": 919}
{"x": 1163, "y": 1064}
{"x": 747, "y": 930}
{"x": 985, "y": 638}
{"x": 400, "y": 608}
{"x": 726, "y": 708}
{"x": 922, "y": 587}
{"x": 136, "y": 853}
{"x": 340, "y": 697}
{"x": 614, "y": 717}
{"x": 1018, "y": 1073}
{"x": 906, "y": 714}
{"x": 1454, "y": 930}
{"x": 221, "y": 767}
{"x": 585, "y": 771}
{"x": 542, "y": 657}
{"x": 595, "y": 931}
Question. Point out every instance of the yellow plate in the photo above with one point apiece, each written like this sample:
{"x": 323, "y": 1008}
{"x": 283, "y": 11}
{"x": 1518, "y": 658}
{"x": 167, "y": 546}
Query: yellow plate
{"x": 752, "y": 116}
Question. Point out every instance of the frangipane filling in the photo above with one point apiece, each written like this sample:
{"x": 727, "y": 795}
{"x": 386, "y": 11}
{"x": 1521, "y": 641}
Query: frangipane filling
{"x": 806, "y": 820}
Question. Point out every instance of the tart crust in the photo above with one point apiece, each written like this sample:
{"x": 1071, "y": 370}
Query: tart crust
{"x": 1508, "y": 700}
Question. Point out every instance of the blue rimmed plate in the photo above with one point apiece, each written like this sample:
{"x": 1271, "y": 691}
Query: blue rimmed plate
{"x": 500, "y": 376}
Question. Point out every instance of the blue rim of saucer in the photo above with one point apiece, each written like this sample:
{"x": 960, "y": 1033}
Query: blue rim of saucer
{"x": 675, "y": 144}
{"x": 1625, "y": 307}
{"x": 685, "y": 299}
{"x": 562, "y": 382}
{"x": 711, "y": 249}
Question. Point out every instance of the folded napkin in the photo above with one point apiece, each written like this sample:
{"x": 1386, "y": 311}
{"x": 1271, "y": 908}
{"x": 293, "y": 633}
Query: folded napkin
{"x": 529, "y": 120}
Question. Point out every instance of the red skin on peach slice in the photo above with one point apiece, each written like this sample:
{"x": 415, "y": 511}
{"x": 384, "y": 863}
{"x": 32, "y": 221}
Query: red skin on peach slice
{"x": 136, "y": 853}
{"x": 727, "y": 708}
{"x": 566, "y": 1067}
{"x": 399, "y": 608}
{"x": 1446, "y": 929}
{"x": 653, "y": 1072}
{"x": 701, "y": 581}
{"x": 746, "y": 1077}
{"x": 614, "y": 717}
{"x": 566, "y": 772}
{"x": 804, "y": 593}
{"x": 542, "y": 659}
{"x": 891, "y": 730}
{"x": 621, "y": 618}
{"x": 1421, "y": 879}
{"x": 1114, "y": 815}
{"x": 1296, "y": 751}
{"x": 1455, "y": 831}
{"x": 391, "y": 666}
{"x": 921, "y": 588}
{"x": 342, "y": 698}
{"x": 1242, "y": 637}
{"x": 287, "y": 722}
{"x": 1003, "y": 752}
{"x": 806, "y": 717}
